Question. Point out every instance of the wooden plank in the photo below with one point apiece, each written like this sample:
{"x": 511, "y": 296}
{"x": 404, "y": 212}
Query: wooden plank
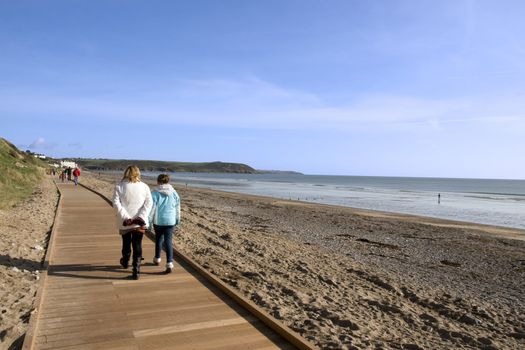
{"x": 56, "y": 342}
{"x": 77, "y": 320}
{"x": 230, "y": 337}
{"x": 192, "y": 326}
{"x": 120, "y": 344}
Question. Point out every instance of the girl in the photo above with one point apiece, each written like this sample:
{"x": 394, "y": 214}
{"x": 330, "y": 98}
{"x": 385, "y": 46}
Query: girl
{"x": 165, "y": 216}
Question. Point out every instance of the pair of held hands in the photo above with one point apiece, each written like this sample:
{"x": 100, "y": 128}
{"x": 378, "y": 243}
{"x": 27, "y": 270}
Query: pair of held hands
{"x": 136, "y": 221}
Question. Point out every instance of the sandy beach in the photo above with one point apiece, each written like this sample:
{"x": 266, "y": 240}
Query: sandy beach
{"x": 25, "y": 231}
{"x": 341, "y": 277}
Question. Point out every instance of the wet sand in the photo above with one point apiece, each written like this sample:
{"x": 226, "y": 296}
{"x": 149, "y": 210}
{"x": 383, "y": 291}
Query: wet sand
{"x": 343, "y": 278}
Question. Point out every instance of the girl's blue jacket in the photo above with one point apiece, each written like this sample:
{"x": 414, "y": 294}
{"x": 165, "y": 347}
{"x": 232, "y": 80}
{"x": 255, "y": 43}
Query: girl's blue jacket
{"x": 166, "y": 206}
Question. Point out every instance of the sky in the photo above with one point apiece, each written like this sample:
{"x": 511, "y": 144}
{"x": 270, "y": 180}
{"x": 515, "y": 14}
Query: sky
{"x": 343, "y": 87}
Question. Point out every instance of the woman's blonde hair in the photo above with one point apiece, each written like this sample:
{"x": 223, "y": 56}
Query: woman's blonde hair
{"x": 131, "y": 174}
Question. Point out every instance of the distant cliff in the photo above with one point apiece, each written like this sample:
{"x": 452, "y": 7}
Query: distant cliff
{"x": 157, "y": 165}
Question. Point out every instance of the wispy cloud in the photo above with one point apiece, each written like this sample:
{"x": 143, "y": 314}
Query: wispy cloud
{"x": 254, "y": 103}
{"x": 42, "y": 144}
{"x": 39, "y": 142}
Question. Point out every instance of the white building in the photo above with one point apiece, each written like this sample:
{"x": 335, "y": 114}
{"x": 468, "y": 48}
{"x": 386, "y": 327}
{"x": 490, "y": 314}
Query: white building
{"x": 67, "y": 164}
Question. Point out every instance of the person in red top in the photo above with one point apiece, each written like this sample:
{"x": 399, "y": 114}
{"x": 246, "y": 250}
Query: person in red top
{"x": 76, "y": 174}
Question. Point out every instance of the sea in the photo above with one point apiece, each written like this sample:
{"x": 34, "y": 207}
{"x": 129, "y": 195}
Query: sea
{"x": 483, "y": 201}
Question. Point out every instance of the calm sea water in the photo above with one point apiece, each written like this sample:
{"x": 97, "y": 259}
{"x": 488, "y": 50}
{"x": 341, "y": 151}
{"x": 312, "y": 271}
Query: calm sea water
{"x": 494, "y": 202}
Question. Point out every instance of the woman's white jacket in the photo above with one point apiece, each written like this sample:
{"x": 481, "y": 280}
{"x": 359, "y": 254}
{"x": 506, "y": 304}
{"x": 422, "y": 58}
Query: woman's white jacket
{"x": 132, "y": 200}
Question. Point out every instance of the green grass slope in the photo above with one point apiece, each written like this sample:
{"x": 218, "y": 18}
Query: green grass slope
{"x": 157, "y": 165}
{"x": 19, "y": 173}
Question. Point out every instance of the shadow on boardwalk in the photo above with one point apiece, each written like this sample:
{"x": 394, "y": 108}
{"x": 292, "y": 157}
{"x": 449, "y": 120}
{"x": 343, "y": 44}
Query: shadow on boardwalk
{"x": 89, "y": 271}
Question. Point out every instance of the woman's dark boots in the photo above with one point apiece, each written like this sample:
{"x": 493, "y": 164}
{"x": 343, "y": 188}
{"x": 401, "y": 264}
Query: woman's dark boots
{"x": 136, "y": 267}
{"x": 124, "y": 261}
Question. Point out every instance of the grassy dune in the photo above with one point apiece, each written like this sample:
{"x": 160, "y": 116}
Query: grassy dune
{"x": 19, "y": 173}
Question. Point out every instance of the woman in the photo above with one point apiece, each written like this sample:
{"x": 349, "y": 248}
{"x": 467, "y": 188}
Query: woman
{"x": 76, "y": 174}
{"x": 132, "y": 201}
{"x": 165, "y": 215}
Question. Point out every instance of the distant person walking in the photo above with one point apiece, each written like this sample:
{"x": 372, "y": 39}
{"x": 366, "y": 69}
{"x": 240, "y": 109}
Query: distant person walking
{"x": 439, "y": 198}
{"x": 165, "y": 216}
{"x": 132, "y": 201}
{"x": 76, "y": 174}
{"x": 68, "y": 172}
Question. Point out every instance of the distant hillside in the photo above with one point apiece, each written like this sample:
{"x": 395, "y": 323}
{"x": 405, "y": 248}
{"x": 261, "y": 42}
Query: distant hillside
{"x": 157, "y": 165}
{"x": 19, "y": 173}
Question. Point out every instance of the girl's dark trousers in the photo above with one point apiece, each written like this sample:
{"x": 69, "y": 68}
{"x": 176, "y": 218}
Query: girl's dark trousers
{"x": 132, "y": 239}
{"x": 163, "y": 237}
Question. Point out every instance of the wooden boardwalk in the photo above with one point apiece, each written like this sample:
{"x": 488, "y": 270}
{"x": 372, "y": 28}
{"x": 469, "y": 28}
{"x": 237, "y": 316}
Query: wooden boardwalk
{"x": 87, "y": 301}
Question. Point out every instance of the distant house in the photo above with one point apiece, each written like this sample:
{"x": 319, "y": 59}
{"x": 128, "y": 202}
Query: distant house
{"x": 67, "y": 164}
{"x": 37, "y": 155}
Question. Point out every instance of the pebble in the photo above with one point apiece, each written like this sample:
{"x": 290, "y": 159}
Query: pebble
{"x": 38, "y": 247}
{"x": 302, "y": 269}
{"x": 518, "y": 335}
{"x": 485, "y": 341}
{"x": 277, "y": 313}
{"x": 469, "y": 320}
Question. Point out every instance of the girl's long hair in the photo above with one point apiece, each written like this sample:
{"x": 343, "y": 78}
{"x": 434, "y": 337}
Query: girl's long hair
{"x": 131, "y": 174}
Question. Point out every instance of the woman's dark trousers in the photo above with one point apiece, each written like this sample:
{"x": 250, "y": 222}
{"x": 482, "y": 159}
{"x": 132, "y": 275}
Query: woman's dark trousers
{"x": 132, "y": 239}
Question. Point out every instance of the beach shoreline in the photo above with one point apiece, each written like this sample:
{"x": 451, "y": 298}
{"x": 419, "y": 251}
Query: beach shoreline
{"x": 497, "y": 231}
{"x": 489, "y": 201}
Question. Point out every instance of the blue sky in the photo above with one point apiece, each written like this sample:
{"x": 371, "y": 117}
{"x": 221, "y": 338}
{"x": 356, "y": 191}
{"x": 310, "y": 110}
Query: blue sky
{"x": 394, "y": 88}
